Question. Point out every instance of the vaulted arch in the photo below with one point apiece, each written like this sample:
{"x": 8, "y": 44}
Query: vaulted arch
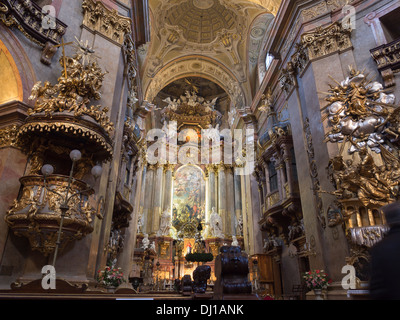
{"x": 197, "y": 66}
{"x": 10, "y": 80}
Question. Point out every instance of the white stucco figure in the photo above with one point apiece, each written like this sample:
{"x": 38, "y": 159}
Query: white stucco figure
{"x": 165, "y": 223}
{"x": 145, "y": 242}
{"x": 235, "y": 242}
{"x": 215, "y": 224}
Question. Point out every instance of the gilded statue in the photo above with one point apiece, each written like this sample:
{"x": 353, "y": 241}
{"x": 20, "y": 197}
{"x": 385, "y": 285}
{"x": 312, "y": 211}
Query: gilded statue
{"x": 364, "y": 120}
{"x": 78, "y": 84}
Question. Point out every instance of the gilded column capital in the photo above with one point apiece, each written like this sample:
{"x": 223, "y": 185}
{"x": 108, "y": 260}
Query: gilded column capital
{"x": 8, "y": 137}
{"x": 228, "y": 168}
{"x": 313, "y": 45}
{"x": 169, "y": 167}
{"x": 212, "y": 168}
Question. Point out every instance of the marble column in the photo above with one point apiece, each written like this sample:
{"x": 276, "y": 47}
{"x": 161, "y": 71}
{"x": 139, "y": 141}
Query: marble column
{"x": 222, "y": 196}
{"x": 127, "y": 256}
{"x": 157, "y": 198}
{"x": 246, "y": 193}
{"x": 147, "y": 214}
{"x": 211, "y": 191}
{"x": 230, "y": 204}
{"x": 141, "y": 198}
{"x": 238, "y": 204}
{"x": 288, "y": 162}
{"x": 212, "y": 196}
{"x": 167, "y": 202}
{"x": 278, "y": 168}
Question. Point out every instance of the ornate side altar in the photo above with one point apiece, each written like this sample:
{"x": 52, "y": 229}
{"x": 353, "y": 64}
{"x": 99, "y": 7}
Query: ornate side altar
{"x": 364, "y": 123}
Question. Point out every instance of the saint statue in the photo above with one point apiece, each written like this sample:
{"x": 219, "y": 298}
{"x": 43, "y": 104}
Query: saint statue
{"x": 216, "y": 224}
{"x": 145, "y": 242}
{"x": 235, "y": 242}
{"x": 140, "y": 224}
{"x": 165, "y": 223}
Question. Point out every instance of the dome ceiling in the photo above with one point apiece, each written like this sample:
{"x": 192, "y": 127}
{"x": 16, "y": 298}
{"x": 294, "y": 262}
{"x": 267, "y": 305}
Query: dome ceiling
{"x": 203, "y": 39}
{"x": 201, "y": 20}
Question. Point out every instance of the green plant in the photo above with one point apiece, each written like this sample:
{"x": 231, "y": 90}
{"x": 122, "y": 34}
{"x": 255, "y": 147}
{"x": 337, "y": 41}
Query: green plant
{"x": 199, "y": 257}
{"x": 110, "y": 277}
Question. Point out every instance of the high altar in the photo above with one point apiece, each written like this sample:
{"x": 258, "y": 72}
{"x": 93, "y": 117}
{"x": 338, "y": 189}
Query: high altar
{"x": 180, "y": 202}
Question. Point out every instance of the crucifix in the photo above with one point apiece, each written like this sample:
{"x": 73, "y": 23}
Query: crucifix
{"x": 63, "y": 45}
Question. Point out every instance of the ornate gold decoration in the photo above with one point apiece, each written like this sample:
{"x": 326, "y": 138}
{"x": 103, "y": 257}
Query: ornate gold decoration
{"x": 27, "y": 17}
{"x": 36, "y": 213}
{"x": 387, "y": 57}
{"x": 324, "y": 41}
{"x": 365, "y": 121}
{"x": 8, "y": 137}
{"x": 84, "y": 131}
{"x": 314, "y": 174}
{"x": 164, "y": 248}
{"x": 314, "y": 45}
{"x": 62, "y": 108}
{"x": 129, "y": 51}
{"x": 268, "y": 100}
{"x": 273, "y": 199}
{"x": 191, "y": 109}
{"x": 97, "y": 17}
{"x": 78, "y": 84}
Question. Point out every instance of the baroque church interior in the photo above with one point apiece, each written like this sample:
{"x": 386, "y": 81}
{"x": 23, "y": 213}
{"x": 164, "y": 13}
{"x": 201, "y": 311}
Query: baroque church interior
{"x": 196, "y": 149}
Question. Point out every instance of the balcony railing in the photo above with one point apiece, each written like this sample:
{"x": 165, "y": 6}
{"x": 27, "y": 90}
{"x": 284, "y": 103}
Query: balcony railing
{"x": 36, "y": 213}
{"x": 387, "y": 57}
{"x": 27, "y": 16}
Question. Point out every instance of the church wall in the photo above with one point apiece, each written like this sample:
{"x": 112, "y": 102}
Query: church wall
{"x": 329, "y": 247}
{"x": 313, "y": 81}
{"x": 80, "y": 260}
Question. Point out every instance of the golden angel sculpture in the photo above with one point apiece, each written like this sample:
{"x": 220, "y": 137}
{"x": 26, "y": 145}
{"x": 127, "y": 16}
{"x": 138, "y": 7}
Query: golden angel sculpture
{"x": 80, "y": 82}
{"x": 365, "y": 122}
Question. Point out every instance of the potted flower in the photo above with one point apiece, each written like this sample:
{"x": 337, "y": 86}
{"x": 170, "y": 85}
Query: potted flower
{"x": 110, "y": 278}
{"x": 317, "y": 280}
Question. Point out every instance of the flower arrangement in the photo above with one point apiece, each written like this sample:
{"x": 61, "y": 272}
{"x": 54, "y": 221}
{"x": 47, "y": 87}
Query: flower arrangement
{"x": 110, "y": 277}
{"x": 316, "y": 279}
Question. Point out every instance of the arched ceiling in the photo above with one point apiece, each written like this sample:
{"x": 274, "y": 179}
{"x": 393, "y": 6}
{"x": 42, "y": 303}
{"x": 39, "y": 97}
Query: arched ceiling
{"x": 203, "y": 38}
{"x": 201, "y": 20}
{"x": 271, "y": 5}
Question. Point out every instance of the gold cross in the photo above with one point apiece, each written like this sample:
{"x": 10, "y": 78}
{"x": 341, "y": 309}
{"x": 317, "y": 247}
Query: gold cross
{"x": 63, "y": 44}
